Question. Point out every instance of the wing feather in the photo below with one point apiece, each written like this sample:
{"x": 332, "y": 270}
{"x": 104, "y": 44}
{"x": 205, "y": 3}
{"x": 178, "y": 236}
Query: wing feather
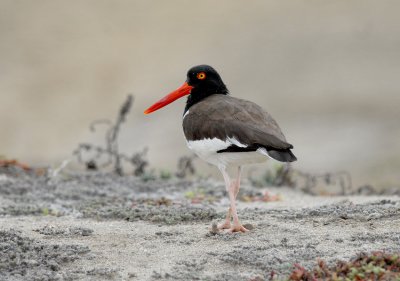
{"x": 223, "y": 117}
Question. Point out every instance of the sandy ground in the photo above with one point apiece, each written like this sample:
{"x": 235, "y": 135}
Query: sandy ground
{"x": 104, "y": 227}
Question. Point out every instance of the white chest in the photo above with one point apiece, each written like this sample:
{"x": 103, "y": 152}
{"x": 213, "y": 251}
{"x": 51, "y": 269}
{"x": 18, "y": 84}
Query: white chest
{"x": 207, "y": 150}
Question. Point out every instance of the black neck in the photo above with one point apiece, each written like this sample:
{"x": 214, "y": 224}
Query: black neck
{"x": 198, "y": 95}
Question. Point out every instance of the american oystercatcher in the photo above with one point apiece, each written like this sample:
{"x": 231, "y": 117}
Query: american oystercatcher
{"x": 226, "y": 131}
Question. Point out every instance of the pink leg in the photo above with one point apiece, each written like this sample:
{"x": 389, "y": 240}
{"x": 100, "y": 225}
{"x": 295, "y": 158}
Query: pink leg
{"x": 233, "y": 190}
{"x": 227, "y": 223}
{"x": 235, "y": 184}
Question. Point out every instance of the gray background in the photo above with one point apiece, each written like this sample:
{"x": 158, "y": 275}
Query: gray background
{"x": 328, "y": 71}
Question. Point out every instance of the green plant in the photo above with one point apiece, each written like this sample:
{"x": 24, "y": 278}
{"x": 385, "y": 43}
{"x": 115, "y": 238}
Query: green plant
{"x": 165, "y": 175}
{"x": 374, "y": 266}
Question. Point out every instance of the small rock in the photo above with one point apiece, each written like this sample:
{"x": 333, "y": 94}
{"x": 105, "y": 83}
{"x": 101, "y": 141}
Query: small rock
{"x": 214, "y": 229}
{"x": 248, "y": 226}
{"x": 374, "y": 216}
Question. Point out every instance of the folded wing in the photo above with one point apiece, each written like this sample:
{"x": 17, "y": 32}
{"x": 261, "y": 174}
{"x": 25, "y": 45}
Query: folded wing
{"x": 246, "y": 124}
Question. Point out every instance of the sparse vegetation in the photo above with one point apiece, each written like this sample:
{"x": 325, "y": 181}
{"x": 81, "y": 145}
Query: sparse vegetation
{"x": 285, "y": 175}
{"x": 185, "y": 166}
{"x": 165, "y": 175}
{"x": 14, "y": 163}
{"x": 109, "y": 155}
{"x": 199, "y": 195}
{"x": 374, "y": 266}
{"x": 263, "y": 197}
{"x": 148, "y": 176}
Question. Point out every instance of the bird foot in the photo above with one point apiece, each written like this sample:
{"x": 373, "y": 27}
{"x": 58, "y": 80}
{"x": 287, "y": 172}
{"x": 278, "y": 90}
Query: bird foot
{"x": 225, "y": 225}
{"x": 237, "y": 228}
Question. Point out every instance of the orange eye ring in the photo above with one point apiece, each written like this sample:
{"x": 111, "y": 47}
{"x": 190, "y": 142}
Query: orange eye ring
{"x": 201, "y": 76}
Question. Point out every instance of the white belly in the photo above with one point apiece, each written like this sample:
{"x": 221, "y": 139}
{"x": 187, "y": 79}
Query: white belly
{"x": 207, "y": 149}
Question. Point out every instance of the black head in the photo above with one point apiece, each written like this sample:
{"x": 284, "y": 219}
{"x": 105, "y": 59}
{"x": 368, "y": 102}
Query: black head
{"x": 202, "y": 81}
{"x": 205, "y": 81}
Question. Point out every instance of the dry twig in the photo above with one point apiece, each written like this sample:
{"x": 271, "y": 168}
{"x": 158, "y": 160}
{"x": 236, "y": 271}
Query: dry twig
{"x": 111, "y": 149}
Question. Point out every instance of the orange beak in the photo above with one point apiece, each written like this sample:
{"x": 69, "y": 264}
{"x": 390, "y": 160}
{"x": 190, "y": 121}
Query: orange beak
{"x": 178, "y": 93}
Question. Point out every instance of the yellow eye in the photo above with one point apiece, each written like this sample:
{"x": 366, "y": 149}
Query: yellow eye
{"x": 201, "y": 75}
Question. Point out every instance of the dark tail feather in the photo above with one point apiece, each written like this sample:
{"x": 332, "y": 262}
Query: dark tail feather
{"x": 283, "y": 155}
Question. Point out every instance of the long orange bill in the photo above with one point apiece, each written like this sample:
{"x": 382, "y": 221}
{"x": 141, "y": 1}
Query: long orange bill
{"x": 178, "y": 93}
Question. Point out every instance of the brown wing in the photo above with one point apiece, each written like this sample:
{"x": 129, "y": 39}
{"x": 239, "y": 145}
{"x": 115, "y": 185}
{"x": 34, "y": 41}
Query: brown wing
{"x": 223, "y": 116}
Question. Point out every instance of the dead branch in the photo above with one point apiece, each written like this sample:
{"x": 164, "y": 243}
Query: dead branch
{"x": 341, "y": 178}
{"x": 185, "y": 166}
{"x": 111, "y": 149}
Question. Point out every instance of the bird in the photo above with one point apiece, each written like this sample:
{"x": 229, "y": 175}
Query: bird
{"x": 226, "y": 131}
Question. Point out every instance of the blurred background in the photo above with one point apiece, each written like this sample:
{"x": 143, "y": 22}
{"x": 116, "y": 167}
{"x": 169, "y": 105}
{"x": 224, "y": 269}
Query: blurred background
{"x": 328, "y": 71}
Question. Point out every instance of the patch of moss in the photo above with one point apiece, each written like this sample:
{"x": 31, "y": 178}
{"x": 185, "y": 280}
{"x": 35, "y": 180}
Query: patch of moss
{"x": 374, "y": 266}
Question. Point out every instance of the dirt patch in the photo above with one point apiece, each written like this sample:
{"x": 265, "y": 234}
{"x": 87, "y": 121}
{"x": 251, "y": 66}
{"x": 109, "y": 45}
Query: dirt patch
{"x": 58, "y": 231}
{"x": 106, "y": 227}
{"x": 22, "y": 258}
